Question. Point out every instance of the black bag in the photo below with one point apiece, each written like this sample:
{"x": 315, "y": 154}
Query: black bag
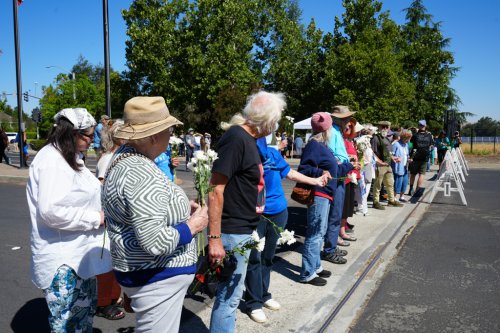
{"x": 422, "y": 142}
{"x": 303, "y": 194}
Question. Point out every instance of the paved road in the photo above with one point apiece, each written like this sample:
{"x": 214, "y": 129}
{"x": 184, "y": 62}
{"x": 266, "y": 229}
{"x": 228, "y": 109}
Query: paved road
{"x": 446, "y": 277}
{"x": 23, "y": 306}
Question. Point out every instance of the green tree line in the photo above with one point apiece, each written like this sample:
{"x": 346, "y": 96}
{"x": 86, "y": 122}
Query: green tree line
{"x": 205, "y": 57}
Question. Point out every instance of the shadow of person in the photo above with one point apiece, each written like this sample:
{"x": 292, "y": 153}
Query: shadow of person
{"x": 32, "y": 317}
{"x": 191, "y": 322}
{"x": 286, "y": 269}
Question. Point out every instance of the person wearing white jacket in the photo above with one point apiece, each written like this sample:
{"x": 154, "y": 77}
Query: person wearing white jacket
{"x": 67, "y": 235}
{"x": 368, "y": 171}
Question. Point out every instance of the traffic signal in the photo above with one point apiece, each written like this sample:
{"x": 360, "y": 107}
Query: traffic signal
{"x": 36, "y": 115}
{"x": 26, "y": 96}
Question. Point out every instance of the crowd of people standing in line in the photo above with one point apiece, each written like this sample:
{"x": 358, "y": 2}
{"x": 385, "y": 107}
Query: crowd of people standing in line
{"x": 149, "y": 251}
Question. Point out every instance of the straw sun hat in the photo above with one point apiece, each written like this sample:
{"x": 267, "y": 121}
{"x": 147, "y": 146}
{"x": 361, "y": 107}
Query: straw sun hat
{"x": 144, "y": 117}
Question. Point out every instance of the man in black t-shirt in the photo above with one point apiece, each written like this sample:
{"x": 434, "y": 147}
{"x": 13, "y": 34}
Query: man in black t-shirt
{"x": 238, "y": 198}
{"x": 422, "y": 140}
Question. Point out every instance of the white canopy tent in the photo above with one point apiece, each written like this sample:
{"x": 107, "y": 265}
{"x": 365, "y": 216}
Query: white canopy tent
{"x": 301, "y": 125}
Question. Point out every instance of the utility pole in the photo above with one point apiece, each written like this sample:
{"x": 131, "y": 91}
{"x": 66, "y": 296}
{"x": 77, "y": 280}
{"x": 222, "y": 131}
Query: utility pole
{"x": 106, "y": 56}
{"x": 19, "y": 88}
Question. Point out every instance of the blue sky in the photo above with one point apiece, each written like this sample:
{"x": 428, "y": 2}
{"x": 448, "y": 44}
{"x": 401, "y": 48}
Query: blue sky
{"x": 55, "y": 33}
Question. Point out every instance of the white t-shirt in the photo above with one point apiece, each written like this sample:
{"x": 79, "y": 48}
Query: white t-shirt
{"x": 65, "y": 208}
{"x": 102, "y": 165}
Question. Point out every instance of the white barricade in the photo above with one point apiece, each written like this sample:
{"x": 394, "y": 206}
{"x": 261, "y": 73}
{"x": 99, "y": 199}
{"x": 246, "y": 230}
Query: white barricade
{"x": 448, "y": 176}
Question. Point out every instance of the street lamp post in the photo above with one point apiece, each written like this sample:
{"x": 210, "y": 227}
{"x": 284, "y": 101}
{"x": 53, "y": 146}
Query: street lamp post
{"x": 72, "y": 78}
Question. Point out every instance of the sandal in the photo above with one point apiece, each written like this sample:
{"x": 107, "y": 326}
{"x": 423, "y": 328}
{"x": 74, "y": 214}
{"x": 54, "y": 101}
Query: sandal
{"x": 340, "y": 242}
{"x": 348, "y": 238}
{"x": 110, "y": 312}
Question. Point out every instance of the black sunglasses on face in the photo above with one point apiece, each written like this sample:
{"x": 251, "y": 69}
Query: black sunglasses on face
{"x": 89, "y": 136}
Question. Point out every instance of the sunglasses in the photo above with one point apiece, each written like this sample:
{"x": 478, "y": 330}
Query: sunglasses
{"x": 88, "y": 136}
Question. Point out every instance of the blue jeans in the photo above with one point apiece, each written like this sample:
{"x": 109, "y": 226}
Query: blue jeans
{"x": 317, "y": 219}
{"x": 400, "y": 183}
{"x": 260, "y": 263}
{"x": 229, "y": 292}
{"x": 334, "y": 218}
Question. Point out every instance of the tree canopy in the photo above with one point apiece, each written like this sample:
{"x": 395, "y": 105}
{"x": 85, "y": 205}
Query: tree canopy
{"x": 206, "y": 57}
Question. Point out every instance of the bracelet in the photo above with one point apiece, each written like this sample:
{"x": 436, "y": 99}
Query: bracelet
{"x": 214, "y": 236}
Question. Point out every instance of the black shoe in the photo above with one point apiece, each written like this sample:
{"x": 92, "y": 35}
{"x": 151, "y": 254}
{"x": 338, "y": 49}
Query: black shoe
{"x": 324, "y": 274}
{"x": 419, "y": 192}
{"x": 334, "y": 258}
{"x": 340, "y": 252}
{"x": 377, "y": 205}
{"x": 317, "y": 281}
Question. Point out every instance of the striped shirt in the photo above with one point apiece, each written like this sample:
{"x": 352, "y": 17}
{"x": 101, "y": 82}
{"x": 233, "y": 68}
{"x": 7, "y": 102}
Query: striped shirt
{"x": 145, "y": 216}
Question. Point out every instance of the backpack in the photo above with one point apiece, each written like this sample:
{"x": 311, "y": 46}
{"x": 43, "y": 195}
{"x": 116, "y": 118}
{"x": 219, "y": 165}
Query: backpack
{"x": 422, "y": 142}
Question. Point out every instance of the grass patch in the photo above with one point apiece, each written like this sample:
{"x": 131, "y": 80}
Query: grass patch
{"x": 482, "y": 149}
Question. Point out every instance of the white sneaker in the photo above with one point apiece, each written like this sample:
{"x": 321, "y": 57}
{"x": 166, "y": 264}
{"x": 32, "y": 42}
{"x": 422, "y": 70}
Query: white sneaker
{"x": 271, "y": 304}
{"x": 258, "y": 316}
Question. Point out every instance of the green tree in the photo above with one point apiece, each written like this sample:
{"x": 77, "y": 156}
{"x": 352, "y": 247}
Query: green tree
{"x": 428, "y": 62}
{"x": 363, "y": 69}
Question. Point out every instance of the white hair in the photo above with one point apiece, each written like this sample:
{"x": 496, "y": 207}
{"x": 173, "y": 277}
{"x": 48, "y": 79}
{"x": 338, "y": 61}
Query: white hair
{"x": 262, "y": 111}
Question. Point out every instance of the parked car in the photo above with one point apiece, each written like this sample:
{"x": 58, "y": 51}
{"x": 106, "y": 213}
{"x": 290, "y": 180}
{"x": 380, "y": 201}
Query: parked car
{"x": 11, "y": 136}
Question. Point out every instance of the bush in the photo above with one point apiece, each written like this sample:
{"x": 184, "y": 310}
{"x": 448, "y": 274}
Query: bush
{"x": 30, "y": 135}
{"x": 37, "y": 144}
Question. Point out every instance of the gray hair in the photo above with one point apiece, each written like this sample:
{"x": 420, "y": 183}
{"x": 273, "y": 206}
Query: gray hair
{"x": 262, "y": 111}
{"x": 323, "y": 137}
{"x": 108, "y": 135}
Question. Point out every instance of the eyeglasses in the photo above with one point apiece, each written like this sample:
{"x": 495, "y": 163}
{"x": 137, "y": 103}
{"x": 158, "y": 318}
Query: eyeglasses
{"x": 88, "y": 136}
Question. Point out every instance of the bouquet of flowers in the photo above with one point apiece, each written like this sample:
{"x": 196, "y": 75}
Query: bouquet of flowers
{"x": 201, "y": 166}
{"x": 175, "y": 143}
{"x": 362, "y": 143}
{"x": 209, "y": 276}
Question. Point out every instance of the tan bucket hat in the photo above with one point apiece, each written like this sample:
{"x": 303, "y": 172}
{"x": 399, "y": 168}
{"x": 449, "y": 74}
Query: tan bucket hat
{"x": 341, "y": 111}
{"x": 145, "y": 116}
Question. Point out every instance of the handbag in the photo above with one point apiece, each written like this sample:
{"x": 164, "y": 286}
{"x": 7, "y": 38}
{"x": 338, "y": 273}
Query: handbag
{"x": 303, "y": 194}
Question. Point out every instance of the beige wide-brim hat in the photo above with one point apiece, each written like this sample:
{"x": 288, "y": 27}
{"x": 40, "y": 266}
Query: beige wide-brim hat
{"x": 145, "y": 116}
{"x": 341, "y": 111}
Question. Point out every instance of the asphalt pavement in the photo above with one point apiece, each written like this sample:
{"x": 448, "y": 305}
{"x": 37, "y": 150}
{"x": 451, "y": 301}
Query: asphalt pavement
{"x": 305, "y": 307}
{"x": 446, "y": 278}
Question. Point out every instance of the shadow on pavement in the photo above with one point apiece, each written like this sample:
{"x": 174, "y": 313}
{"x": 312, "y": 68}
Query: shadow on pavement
{"x": 190, "y": 322}
{"x": 32, "y": 317}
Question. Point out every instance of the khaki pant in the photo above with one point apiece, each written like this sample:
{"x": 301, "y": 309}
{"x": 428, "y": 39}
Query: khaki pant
{"x": 383, "y": 174}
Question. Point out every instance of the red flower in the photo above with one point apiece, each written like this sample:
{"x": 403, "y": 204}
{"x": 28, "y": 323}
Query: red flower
{"x": 200, "y": 277}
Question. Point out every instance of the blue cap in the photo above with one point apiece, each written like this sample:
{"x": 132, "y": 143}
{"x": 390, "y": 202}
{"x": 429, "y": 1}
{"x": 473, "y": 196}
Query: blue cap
{"x": 422, "y": 122}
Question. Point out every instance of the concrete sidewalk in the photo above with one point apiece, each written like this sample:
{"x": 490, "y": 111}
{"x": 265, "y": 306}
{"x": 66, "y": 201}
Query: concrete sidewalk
{"x": 304, "y": 307}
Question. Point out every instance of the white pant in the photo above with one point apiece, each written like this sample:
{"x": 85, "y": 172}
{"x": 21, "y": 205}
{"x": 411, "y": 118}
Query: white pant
{"x": 158, "y": 305}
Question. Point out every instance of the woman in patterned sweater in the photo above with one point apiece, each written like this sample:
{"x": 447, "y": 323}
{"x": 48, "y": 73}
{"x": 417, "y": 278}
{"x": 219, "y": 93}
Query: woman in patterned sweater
{"x": 148, "y": 218}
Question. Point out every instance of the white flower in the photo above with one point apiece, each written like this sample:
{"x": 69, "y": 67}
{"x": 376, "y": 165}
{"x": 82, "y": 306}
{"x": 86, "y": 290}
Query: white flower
{"x": 261, "y": 244}
{"x": 352, "y": 177}
{"x": 200, "y": 155}
{"x": 212, "y": 155}
{"x": 175, "y": 141}
{"x": 287, "y": 237}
